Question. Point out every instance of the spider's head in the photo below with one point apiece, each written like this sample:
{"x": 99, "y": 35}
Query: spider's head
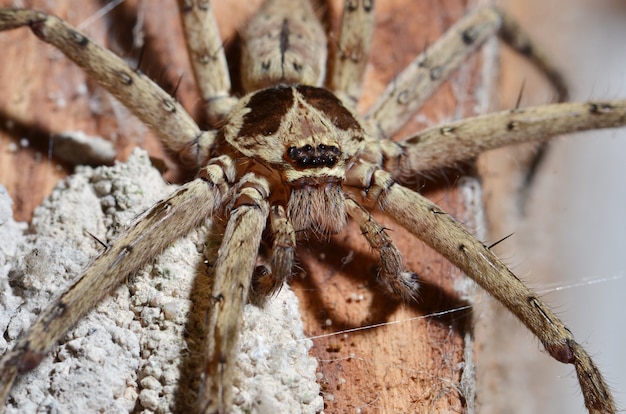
{"x": 309, "y": 138}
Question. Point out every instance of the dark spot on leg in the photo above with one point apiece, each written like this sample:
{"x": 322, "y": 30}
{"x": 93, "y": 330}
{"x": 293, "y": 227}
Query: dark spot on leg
{"x": 447, "y": 130}
{"x": 403, "y": 97}
{"x": 435, "y": 73}
{"x": 596, "y": 109}
{"x": 562, "y": 352}
{"x": 469, "y": 36}
{"x": 125, "y": 78}
{"x": 79, "y": 39}
{"x": 29, "y": 360}
{"x": 526, "y": 50}
{"x": 169, "y": 105}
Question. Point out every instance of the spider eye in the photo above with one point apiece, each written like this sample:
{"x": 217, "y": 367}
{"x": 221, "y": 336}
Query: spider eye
{"x": 308, "y": 156}
{"x": 292, "y": 152}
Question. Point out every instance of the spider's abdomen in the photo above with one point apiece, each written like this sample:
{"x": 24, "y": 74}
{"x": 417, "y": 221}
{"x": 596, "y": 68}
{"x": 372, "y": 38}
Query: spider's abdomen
{"x": 285, "y": 44}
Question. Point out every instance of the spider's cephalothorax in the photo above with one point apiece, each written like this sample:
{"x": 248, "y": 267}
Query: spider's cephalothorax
{"x": 309, "y": 139}
{"x": 295, "y": 159}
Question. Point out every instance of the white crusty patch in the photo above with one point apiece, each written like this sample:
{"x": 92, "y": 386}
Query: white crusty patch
{"x": 124, "y": 356}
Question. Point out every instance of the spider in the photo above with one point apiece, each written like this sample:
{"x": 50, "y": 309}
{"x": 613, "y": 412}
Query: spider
{"x": 302, "y": 156}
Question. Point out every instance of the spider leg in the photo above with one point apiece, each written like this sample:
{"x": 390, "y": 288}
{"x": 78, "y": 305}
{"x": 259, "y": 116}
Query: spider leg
{"x": 411, "y": 87}
{"x": 395, "y": 277}
{"x": 282, "y": 261}
{"x": 352, "y": 51}
{"x": 145, "y": 99}
{"x": 167, "y": 220}
{"x": 444, "y": 234}
{"x": 513, "y": 35}
{"x": 206, "y": 53}
{"x": 232, "y": 274}
{"x": 440, "y": 147}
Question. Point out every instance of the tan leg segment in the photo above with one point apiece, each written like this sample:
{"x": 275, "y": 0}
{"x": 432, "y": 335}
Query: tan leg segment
{"x": 155, "y": 107}
{"x": 169, "y": 219}
{"x": 352, "y": 51}
{"x": 206, "y": 53}
{"x": 444, "y": 146}
{"x": 410, "y": 89}
{"x": 440, "y": 231}
{"x": 514, "y": 36}
{"x": 235, "y": 263}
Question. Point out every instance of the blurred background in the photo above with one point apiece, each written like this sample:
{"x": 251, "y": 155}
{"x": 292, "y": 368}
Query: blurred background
{"x": 570, "y": 227}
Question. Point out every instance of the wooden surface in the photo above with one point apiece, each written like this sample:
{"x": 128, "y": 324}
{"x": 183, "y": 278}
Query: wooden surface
{"x": 412, "y": 366}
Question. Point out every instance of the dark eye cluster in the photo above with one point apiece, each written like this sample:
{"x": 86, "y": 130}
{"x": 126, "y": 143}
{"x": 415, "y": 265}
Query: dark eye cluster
{"x": 309, "y": 156}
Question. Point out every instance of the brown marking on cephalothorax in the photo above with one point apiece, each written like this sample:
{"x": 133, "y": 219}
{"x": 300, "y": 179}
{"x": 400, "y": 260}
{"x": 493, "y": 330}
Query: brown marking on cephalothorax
{"x": 267, "y": 110}
{"x": 327, "y": 103}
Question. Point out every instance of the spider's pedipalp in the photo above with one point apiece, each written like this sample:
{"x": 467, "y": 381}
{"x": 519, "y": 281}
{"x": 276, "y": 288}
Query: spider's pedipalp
{"x": 283, "y": 249}
{"x": 393, "y": 275}
{"x": 269, "y": 281}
